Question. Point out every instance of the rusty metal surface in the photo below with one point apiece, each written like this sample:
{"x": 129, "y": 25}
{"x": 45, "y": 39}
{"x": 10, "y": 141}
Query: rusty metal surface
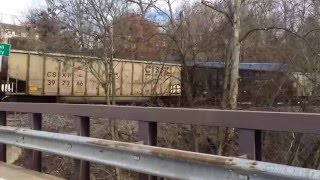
{"x": 152, "y": 160}
{"x": 275, "y": 121}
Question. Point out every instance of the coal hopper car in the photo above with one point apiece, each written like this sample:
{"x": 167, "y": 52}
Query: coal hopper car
{"x": 38, "y": 77}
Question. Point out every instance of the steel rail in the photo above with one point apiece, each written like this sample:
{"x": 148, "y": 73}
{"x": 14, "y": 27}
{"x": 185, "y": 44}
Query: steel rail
{"x": 151, "y": 160}
{"x": 273, "y": 121}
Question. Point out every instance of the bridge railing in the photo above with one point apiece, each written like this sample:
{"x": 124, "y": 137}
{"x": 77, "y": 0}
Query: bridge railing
{"x": 142, "y": 158}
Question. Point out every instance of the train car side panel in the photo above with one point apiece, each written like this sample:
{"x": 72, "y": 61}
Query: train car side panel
{"x": 65, "y": 83}
{"x": 51, "y": 75}
{"x": 166, "y": 81}
{"x": 148, "y": 79}
{"x": 17, "y": 66}
{"x": 36, "y": 72}
{"x": 156, "y": 79}
{"x": 126, "y": 79}
{"x": 92, "y": 84}
{"x": 137, "y": 84}
{"x": 79, "y": 73}
{"x": 101, "y": 78}
{"x": 175, "y": 87}
{"x": 117, "y": 67}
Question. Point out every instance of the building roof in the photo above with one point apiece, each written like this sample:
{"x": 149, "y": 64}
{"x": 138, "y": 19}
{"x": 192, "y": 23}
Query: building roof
{"x": 244, "y": 66}
{"x": 13, "y": 27}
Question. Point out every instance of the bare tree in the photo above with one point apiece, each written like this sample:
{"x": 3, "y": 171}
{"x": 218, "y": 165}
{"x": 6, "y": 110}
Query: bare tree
{"x": 231, "y": 10}
{"x": 234, "y": 75}
{"x": 94, "y": 20}
{"x": 144, "y": 6}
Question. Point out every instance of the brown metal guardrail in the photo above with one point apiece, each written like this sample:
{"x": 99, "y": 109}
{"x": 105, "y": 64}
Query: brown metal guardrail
{"x": 249, "y": 123}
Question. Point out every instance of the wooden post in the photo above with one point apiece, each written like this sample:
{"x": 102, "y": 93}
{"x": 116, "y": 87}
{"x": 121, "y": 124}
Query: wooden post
{"x": 3, "y": 147}
{"x": 36, "y": 124}
{"x": 82, "y": 168}
{"x": 250, "y": 144}
{"x": 148, "y": 133}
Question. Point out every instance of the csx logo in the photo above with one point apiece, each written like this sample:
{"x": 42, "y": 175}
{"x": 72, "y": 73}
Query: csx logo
{"x": 51, "y": 74}
{"x": 156, "y": 70}
{"x": 55, "y": 74}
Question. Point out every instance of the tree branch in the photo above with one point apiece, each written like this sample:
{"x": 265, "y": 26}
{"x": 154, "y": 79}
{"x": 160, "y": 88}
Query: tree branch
{"x": 268, "y": 29}
{"x": 311, "y": 31}
{"x": 208, "y": 4}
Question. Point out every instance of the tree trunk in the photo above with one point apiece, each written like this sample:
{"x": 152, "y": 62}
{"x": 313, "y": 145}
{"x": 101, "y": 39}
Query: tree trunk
{"x": 226, "y": 79}
{"x": 293, "y": 154}
{"x": 196, "y": 135}
{"x": 186, "y": 80}
{"x": 113, "y": 122}
{"x": 220, "y": 135}
{"x": 107, "y": 80}
{"x": 234, "y": 75}
{"x": 113, "y": 77}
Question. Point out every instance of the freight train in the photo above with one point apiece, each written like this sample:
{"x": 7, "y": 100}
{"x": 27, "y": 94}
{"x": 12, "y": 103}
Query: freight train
{"x": 38, "y": 77}
{"x": 48, "y": 77}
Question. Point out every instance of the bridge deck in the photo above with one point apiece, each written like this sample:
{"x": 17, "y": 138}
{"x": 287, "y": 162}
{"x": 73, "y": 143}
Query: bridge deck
{"x": 11, "y": 172}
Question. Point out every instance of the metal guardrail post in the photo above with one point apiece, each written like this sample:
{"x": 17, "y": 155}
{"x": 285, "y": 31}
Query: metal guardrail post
{"x": 148, "y": 133}
{"x": 250, "y": 144}
{"x": 36, "y": 124}
{"x": 82, "y": 168}
{"x": 3, "y": 147}
{"x": 258, "y": 144}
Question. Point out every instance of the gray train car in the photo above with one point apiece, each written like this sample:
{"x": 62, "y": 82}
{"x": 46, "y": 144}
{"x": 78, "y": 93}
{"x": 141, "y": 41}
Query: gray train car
{"x": 81, "y": 79}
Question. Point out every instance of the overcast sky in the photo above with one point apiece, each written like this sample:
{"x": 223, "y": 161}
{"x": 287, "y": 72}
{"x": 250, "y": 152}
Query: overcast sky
{"x": 12, "y": 11}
